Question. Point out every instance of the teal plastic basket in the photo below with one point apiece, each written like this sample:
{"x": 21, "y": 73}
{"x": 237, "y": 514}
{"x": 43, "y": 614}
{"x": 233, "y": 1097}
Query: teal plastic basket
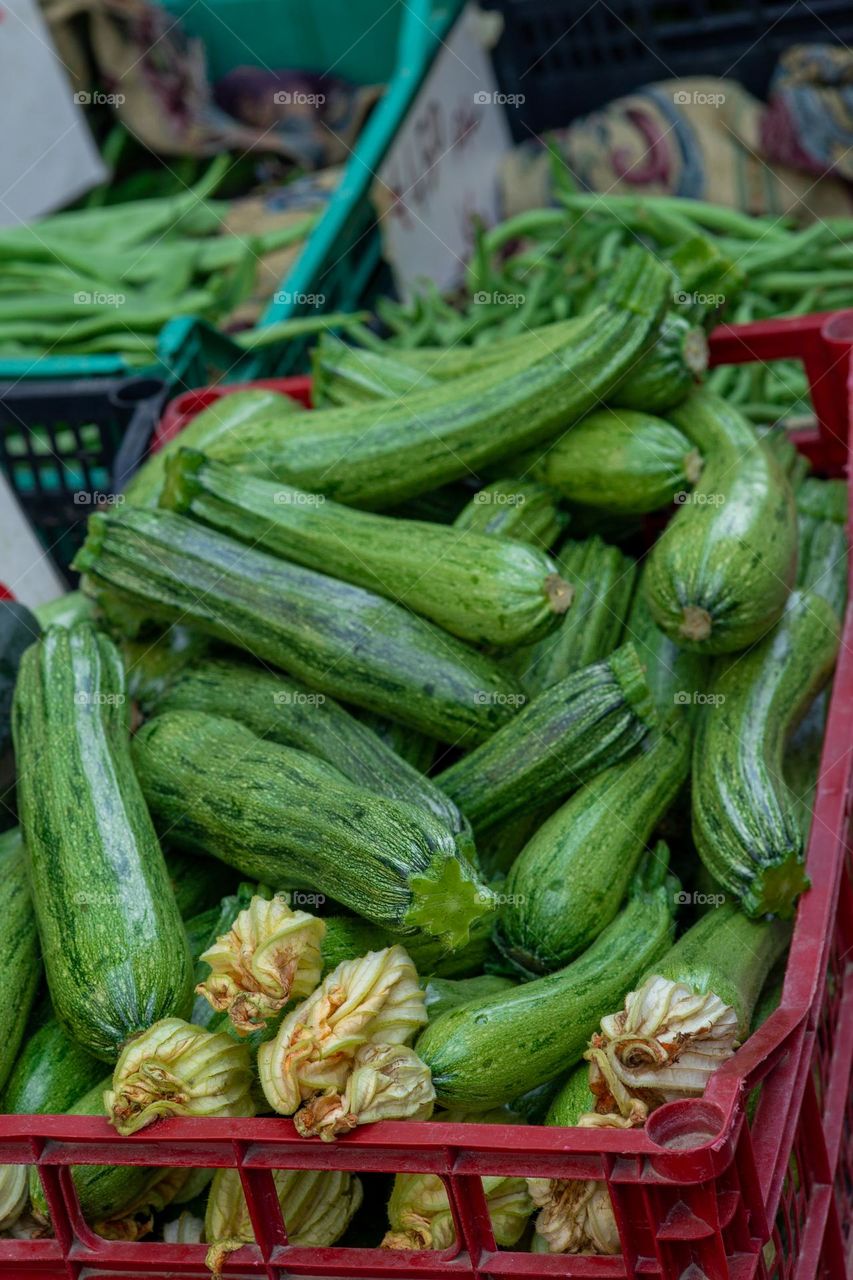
{"x": 341, "y": 261}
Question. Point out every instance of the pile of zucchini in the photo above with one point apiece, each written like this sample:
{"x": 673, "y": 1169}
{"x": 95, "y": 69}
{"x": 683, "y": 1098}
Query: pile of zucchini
{"x": 401, "y": 759}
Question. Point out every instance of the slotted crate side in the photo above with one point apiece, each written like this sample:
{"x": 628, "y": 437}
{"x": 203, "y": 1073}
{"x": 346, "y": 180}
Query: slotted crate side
{"x": 683, "y": 1210}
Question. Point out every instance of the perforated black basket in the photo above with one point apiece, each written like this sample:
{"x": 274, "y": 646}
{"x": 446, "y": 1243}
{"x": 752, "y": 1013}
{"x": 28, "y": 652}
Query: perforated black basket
{"x": 64, "y": 447}
{"x": 568, "y": 57}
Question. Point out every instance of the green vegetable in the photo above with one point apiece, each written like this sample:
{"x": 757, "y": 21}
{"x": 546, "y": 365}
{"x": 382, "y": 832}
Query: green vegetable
{"x": 349, "y": 375}
{"x": 621, "y": 461}
{"x": 744, "y": 819}
{"x": 416, "y": 748}
{"x": 522, "y": 509}
{"x": 719, "y": 575}
{"x": 676, "y": 677}
{"x": 20, "y": 961}
{"x": 823, "y": 564}
{"x": 666, "y": 373}
{"x": 284, "y": 817}
{"x": 382, "y": 455}
{"x": 215, "y": 429}
{"x": 114, "y": 948}
{"x": 491, "y": 1051}
{"x": 276, "y": 709}
{"x": 569, "y": 881}
{"x": 561, "y": 739}
{"x": 152, "y": 664}
{"x": 486, "y": 590}
{"x": 441, "y": 994}
{"x": 339, "y": 639}
{"x": 198, "y": 884}
{"x": 348, "y": 937}
{"x": 603, "y": 579}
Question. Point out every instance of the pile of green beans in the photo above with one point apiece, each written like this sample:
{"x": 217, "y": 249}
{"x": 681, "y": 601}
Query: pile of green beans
{"x": 541, "y": 266}
{"x": 107, "y": 279}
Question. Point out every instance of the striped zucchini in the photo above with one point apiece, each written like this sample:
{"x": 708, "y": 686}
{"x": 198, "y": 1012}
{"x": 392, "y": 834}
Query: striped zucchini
{"x": 719, "y": 576}
{"x": 152, "y": 664}
{"x": 488, "y": 1052}
{"x": 522, "y": 509}
{"x": 415, "y": 748}
{"x": 676, "y": 677}
{"x": 198, "y": 884}
{"x": 276, "y": 709}
{"x": 667, "y": 372}
{"x": 569, "y": 881}
{"x": 284, "y": 817}
{"x": 339, "y": 639}
{"x": 441, "y": 994}
{"x": 562, "y": 738}
{"x": 620, "y": 461}
{"x": 603, "y": 580}
{"x": 744, "y": 819}
{"x": 381, "y": 455}
{"x": 823, "y": 563}
{"x": 114, "y": 948}
{"x": 350, "y": 375}
{"x": 485, "y": 590}
{"x": 20, "y": 962}
{"x": 217, "y": 429}
{"x": 348, "y": 937}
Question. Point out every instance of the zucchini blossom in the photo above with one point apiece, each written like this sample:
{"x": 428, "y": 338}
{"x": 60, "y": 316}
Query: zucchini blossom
{"x": 176, "y": 1069}
{"x": 269, "y": 956}
{"x": 374, "y": 999}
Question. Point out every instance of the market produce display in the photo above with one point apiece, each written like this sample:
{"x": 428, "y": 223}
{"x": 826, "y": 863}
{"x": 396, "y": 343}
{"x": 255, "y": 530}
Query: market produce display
{"x": 430, "y": 756}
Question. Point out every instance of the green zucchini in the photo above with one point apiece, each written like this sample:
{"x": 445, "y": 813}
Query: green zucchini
{"x": 668, "y": 371}
{"x": 603, "y": 580}
{"x": 216, "y": 429}
{"x": 486, "y": 1053}
{"x": 744, "y": 818}
{"x": 381, "y": 455}
{"x": 20, "y": 962}
{"x": 522, "y": 509}
{"x": 562, "y": 738}
{"x": 569, "y": 881}
{"x": 152, "y": 664}
{"x": 276, "y": 709}
{"x": 486, "y": 590}
{"x": 823, "y": 499}
{"x": 64, "y": 611}
{"x": 415, "y": 748}
{"x": 350, "y": 375}
{"x": 574, "y": 1099}
{"x": 348, "y": 937}
{"x": 823, "y": 564}
{"x": 498, "y": 848}
{"x": 339, "y": 639}
{"x": 18, "y": 630}
{"x": 720, "y": 574}
{"x": 115, "y": 951}
{"x": 621, "y": 461}
{"x": 441, "y": 994}
{"x": 802, "y": 760}
{"x": 282, "y": 816}
{"x": 676, "y": 676}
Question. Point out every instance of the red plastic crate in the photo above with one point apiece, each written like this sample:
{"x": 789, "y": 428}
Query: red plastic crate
{"x": 700, "y": 1194}
{"x": 184, "y": 407}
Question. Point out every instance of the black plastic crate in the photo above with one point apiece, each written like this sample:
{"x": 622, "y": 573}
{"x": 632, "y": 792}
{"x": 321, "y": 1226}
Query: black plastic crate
{"x": 569, "y": 57}
{"x": 69, "y": 447}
